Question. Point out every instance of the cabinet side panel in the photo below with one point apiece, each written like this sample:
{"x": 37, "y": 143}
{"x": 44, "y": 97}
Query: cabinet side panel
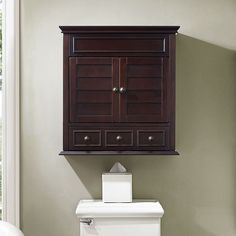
{"x": 171, "y": 87}
{"x": 65, "y": 92}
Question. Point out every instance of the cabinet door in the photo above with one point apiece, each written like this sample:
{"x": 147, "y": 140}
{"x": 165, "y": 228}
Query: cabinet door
{"x": 92, "y": 80}
{"x": 143, "y": 84}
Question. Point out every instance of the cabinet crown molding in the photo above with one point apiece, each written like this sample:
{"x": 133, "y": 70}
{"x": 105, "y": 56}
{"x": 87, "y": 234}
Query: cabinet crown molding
{"x": 119, "y": 29}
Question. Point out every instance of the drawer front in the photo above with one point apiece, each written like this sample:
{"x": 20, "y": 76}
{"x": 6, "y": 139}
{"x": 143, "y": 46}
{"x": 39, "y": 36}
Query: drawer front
{"x": 152, "y": 138}
{"x": 134, "y": 44}
{"x": 114, "y": 138}
{"x": 86, "y": 138}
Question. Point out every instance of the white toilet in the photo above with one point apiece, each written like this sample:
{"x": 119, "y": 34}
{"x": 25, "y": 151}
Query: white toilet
{"x": 119, "y": 219}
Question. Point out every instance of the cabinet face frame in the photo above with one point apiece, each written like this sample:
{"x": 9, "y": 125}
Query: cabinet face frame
{"x": 120, "y": 120}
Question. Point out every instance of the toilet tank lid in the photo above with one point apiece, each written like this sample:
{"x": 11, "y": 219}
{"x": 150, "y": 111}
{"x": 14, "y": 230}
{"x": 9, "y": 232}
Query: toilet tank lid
{"x": 137, "y": 208}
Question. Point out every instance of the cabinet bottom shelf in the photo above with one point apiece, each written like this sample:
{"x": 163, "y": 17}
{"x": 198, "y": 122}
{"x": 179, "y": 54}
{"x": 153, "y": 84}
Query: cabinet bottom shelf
{"x": 78, "y": 153}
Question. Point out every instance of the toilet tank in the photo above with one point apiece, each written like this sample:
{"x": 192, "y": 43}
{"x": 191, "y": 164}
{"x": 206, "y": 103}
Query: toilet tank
{"x": 137, "y": 218}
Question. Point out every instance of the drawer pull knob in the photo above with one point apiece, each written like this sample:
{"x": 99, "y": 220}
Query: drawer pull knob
{"x": 115, "y": 89}
{"x": 122, "y": 90}
{"x": 150, "y": 138}
{"x": 118, "y": 138}
{"x": 86, "y": 138}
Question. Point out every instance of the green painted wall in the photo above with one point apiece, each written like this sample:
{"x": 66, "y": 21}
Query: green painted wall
{"x": 197, "y": 189}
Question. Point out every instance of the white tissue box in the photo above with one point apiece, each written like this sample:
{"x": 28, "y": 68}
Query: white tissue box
{"x": 117, "y": 187}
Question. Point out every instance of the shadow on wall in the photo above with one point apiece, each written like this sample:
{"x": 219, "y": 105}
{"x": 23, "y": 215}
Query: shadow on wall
{"x": 197, "y": 189}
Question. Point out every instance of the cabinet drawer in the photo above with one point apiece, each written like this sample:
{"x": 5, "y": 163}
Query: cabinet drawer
{"x": 86, "y": 138}
{"x": 115, "y": 138}
{"x": 152, "y": 138}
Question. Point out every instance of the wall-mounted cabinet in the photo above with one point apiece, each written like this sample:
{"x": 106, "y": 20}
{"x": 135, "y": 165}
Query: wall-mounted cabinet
{"x": 119, "y": 90}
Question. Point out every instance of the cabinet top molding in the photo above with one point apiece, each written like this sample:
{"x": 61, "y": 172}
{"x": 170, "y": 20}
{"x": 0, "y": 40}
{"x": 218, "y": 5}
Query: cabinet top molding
{"x": 119, "y": 29}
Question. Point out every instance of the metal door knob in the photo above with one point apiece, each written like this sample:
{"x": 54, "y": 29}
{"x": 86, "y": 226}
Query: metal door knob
{"x": 118, "y": 138}
{"x": 86, "y": 138}
{"x": 115, "y": 89}
{"x": 122, "y": 90}
{"x": 150, "y": 138}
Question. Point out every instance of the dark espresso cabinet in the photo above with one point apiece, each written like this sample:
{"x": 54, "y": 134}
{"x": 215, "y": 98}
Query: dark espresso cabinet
{"x": 119, "y": 90}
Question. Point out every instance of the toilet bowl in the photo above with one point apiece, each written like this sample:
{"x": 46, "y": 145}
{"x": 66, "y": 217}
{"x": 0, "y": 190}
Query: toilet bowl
{"x": 7, "y": 229}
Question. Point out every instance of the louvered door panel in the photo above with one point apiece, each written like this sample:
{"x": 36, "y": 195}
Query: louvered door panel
{"x": 144, "y": 97}
{"x": 91, "y": 95}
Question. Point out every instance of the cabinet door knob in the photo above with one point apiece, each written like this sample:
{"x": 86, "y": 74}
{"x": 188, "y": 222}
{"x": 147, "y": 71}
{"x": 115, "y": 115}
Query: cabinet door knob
{"x": 122, "y": 90}
{"x": 115, "y": 89}
{"x": 150, "y": 138}
{"x": 86, "y": 138}
{"x": 118, "y": 138}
